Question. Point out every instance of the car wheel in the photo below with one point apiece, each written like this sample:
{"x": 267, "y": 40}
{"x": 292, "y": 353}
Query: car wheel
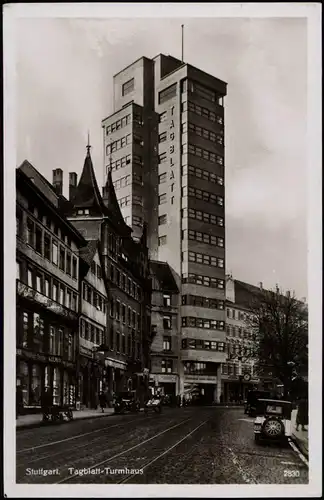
{"x": 273, "y": 428}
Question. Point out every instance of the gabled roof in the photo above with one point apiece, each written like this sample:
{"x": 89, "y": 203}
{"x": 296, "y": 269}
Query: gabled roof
{"x": 163, "y": 274}
{"x": 87, "y": 194}
{"x": 111, "y": 203}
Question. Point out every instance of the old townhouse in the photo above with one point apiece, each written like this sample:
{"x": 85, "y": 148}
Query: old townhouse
{"x": 166, "y": 329}
{"x": 47, "y": 293}
{"x": 92, "y": 325}
{"x": 124, "y": 350}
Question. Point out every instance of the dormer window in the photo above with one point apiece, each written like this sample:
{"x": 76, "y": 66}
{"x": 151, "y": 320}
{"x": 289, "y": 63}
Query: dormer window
{"x": 84, "y": 212}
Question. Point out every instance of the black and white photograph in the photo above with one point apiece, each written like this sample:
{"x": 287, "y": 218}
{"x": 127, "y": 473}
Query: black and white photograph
{"x": 162, "y": 305}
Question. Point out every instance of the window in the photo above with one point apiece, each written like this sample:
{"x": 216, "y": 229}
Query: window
{"x": 17, "y": 270}
{"x": 128, "y": 87}
{"x": 137, "y": 221}
{"x": 74, "y": 267}
{"x": 118, "y": 341}
{"x": 166, "y": 300}
{"x": 162, "y": 178}
{"x": 123, "y": 313}
{"x": 62, "y": 258}
{"x": 168, "y": 93}
{"x": 30, "y": 278}
{"x": 30, "y": 232}
{"x": 163, "y": 157}
{"x": 166, "y": 343}
{"x": 162, "y": 199}
{"x": 166, "y": 366}
{"x": 167, "y": 322}
{"x": 68, "y": 299}
{"x": 162, "y": 219}
{"x": 39, "y": 283}
{"x": 55, "y": 292}
{"x": 123, "y": 346}
{"x": 54, "y": 253}
{"x": 162, "y": 240}
{"x": 39, "y": 237}
{"x": 163, "y": 137}
{"x": 62, "y": 295}
{"x": 47, "y": 247}
{"x": 137, "y": 200}
{"x": 162, "y": 117}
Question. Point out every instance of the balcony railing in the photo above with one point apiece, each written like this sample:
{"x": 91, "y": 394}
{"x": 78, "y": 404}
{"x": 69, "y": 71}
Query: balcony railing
{"x": 29, "y": 293}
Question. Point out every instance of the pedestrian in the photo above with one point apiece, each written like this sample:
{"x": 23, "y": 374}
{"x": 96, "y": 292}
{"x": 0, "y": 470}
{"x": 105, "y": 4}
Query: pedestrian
{"x": 46, "y": 402}
{"x": 102, "y": 401}
{"x": 109, "y": 399}
{"x": 302, "y": 414}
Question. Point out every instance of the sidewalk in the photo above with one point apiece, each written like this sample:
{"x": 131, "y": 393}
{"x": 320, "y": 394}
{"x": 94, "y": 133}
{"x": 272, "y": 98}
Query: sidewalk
{"x": 36, "y": 419}
{"x": 300, "y": 437}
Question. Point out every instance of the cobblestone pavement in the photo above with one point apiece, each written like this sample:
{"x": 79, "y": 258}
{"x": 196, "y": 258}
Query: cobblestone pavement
{"x": 180, "y": 446}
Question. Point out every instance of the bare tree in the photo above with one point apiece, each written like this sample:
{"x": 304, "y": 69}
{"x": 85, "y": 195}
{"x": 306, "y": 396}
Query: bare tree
{"x": 279, "y": 325}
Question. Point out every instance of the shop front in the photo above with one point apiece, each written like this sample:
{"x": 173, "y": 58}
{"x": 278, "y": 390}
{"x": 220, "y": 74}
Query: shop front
{"x": 164, "y": 384}
{"x": 37, "y": 371}
{"x": 201, "y": 389}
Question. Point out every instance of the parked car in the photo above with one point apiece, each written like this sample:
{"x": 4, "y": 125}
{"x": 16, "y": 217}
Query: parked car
{"x": 273, "y": 420}
{"x": 126, "y": 402}
{"x": 251, "y": 401}
{"x": 56, "y": 413}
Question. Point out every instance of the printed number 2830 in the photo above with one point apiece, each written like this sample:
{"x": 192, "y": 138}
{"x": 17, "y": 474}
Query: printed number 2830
{"x": 291, "y": 473}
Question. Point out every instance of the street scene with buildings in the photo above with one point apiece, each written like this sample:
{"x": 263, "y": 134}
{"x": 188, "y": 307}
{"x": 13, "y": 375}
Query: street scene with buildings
{"x": 123, "y": 297}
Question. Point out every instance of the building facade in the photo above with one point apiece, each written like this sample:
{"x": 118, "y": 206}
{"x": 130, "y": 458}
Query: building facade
{"x": 166, "y": 329}
{"x": 47, "y": 293}
{"x": 93, "y": 321}
{"x": 180, "y": 143}
{"x": 124, "y": 263}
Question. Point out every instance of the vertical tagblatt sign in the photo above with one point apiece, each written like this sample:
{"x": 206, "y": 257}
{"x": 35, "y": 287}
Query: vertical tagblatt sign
{"x": 172, "y": 148}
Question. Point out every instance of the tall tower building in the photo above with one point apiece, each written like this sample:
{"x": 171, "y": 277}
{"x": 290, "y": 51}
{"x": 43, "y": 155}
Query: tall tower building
{"x": 165, "y": 145}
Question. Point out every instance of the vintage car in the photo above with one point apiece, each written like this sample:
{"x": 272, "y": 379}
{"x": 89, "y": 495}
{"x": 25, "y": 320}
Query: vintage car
{"x": 273, "y": 420}
{"x": 126, "y": 402}
{"x": 251, "y": 401}
{"x": 57, "y": 414}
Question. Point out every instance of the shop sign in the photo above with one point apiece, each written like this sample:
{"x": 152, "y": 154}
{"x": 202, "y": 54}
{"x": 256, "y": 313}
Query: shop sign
{"x": 115, "y": 364}
{"x": 165, "y": 378}
{"x": 37, "y": 356}
{"x": 201, "y": 379}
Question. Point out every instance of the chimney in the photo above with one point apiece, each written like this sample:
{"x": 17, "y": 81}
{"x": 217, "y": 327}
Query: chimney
{"x": 73, "y": 181}
{"x": 58, "y": 181}
{"x": 261, "y": 285}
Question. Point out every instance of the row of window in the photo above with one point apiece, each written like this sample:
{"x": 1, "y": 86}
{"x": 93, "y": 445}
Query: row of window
{"x": 43, "y": 219}
{"x": 91, "y": 332}
{"x": 196, "y": 367}
{"x": 203, "y": 344}
{"x": 125, "y": 314}
{"x": 202, "y": 174}
{"x": 125, "y": 201}
{"x": 122, "y": 182}
{"x": 201, "y": 91}
{"x": 206, "y": 238}
{"x": 234, "y": 314}
{"x": 50, "y": 248}
{"x": 198, "y": 301}
{"x": 129, "y": 347}
{"x": 199, "y": 194}
{"x": 125, "y": 283}
{"x": 240, "y": 350}
{"x": 91, "y": 296}
{"x": 168, "y": 93}
{"x": 201, "y": 111}
{"x": 207, "y": 260}
{"x": 166, "y": 365}
{"x": 162, "y": 240}
{"x": 137, "y": 221}
{"x": 237, "y": 331}
{"x": 163, "y": 219}
{"x": 118, "y": 124}
{"x": 210, "y": 324}
{"x": 52, "y": 288}
{"x": 234, "y": 369}
{"x": 119, "y": 144}
{"x": 198, "y": 279}
{"x": 202, "y": 216}
{"x": 120, "y": 163}
{"x": 202, "y": 153}
{"x": 48, "y": 338}
{"x": 203, "y": 132}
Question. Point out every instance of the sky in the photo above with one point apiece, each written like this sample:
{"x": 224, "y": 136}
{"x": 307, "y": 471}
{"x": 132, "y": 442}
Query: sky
{"x": 64, "y": 79}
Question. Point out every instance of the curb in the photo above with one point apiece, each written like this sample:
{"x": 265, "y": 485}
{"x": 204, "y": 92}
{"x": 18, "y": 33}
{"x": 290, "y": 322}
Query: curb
{"x": 41, "y": 424}
{"x": 299, "y": 444}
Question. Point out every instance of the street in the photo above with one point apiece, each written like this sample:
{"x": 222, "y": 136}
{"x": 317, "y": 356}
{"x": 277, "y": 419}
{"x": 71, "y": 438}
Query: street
{"x": 181, "y": 446}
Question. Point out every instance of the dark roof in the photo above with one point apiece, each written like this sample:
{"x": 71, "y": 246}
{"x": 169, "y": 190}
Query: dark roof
{"x": 88, "y": 252}
{"x": 87, "y": 194}
{"x": 26, "y": 181}
{"x": 163, "y": 274}
{"x": 111, "y": 203}
{"x": 245, "y": 293}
